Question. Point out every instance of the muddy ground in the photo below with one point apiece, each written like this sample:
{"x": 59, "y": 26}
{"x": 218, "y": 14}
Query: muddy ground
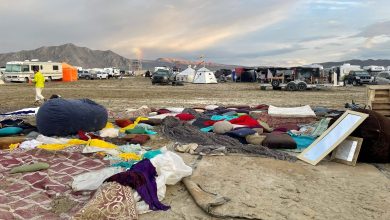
{"x": 258, "y": 188}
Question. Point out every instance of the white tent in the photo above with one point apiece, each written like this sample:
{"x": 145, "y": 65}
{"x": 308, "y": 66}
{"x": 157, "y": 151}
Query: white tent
{"x": 204, "y": 75}
{"x": 186, "y": 75}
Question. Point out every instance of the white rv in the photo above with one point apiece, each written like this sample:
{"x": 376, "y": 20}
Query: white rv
{"x": 341, "y": 71}
{"x": 161, "y": 68}
{"x": 373, "y": 70}
{"x": 113, "y": 72}
{"x": 22, "y": 71}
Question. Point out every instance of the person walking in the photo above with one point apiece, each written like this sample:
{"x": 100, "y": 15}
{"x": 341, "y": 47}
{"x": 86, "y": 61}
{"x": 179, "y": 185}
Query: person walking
{"x": 39, "y": 81}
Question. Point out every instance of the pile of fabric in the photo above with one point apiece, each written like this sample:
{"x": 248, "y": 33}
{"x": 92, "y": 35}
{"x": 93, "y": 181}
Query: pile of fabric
{"x": 94, "y": 164}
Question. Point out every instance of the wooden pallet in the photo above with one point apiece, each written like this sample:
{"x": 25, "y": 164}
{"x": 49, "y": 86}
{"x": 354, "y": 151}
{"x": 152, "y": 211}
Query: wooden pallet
{"x": 379, "y": 99}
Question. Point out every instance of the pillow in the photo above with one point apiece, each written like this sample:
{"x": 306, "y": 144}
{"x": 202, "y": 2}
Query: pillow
{"x": 279, "y": 141}
{"x": 255, "y": 139}
{"x": 185, "y": 116}
{"x": 8, "y": 131}
{"x": 111, "y": 201}
{"x": 221, "y": 127}
{"x": 123, "y": 122}
{"x": 242, "y": 132}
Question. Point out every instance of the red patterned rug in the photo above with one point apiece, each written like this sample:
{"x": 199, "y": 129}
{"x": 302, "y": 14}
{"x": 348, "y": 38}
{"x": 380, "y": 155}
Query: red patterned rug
{"x": 45, "y": 194}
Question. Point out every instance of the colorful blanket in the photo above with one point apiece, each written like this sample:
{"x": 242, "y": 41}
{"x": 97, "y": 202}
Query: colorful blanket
{"x": 43, "y": 194}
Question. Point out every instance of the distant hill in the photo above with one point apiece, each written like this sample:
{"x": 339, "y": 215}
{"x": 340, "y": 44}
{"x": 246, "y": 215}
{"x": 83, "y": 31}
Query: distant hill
{"x": 87, "y": 58}
{"x": 361, "y": 63}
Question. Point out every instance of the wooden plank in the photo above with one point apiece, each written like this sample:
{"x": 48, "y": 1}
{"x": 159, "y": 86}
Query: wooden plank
{"x": 380, "y": 101}
{"x": 382, "y": 93}
{"x": 374, "y": 87}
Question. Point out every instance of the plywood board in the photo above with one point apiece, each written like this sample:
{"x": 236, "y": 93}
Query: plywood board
{"x": 332, "y": 137}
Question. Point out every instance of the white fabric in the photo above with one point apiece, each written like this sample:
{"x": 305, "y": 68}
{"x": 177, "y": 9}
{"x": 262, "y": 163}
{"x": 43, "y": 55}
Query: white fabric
{"x": 38, "y": 94}
{"x": 162, "y": 116}
{"x": 171, "y": 166}
{"x": 28, "y": 145}
{"x": 49, "y": 140}
{"x": 175, "y": 110}
{"x": 211, "y": 107}
{"x": 303, "y": 111}
{"x": 93, "y": 179}
{"x": 91, "y": 149}
{"x": 109, "y": 132}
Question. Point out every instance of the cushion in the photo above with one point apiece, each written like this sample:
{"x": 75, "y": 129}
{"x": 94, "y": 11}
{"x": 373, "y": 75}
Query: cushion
{"x": 111, "y": 201}
{"x": 185, "y": 116}
{"x": 63, "y": 117}
{"x": 139, "y": 139}
{"x": 241, "y": 132}
{"x": 245, "y": 120}
{"x": 279, "y": 141}
{"x": 375, "y": 131}
{"x": 8, "y": 131}
{"x": 255, "y": 139}
{"x": 221, "y": 127}
{"x": 123, "y": 122}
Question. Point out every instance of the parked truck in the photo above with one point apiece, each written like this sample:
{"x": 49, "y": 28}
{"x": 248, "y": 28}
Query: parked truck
{"x": 23, "y": 71}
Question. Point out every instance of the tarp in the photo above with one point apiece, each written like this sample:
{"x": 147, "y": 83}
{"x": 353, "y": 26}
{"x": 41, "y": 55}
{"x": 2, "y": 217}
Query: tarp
{"x": 69, "y": 73}
{"x": 302, "y": 111}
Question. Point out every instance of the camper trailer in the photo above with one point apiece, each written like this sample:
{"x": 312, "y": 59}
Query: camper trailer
{"x": 113, "y": 72}
{"x": 22, "y": 71}
{"x": 374, "y": 70}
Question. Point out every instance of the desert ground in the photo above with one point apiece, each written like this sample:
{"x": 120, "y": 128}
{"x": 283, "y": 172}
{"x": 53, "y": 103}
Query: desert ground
{"x": 256, "y": 187}
{"x": 137, "y": 91}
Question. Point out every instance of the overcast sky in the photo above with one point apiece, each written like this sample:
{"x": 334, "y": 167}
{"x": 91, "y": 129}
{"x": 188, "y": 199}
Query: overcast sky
{"x": 248, "y": 32}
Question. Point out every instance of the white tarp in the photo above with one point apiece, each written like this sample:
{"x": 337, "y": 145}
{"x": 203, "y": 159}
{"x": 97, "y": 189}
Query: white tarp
{"x": 302, "y": 111}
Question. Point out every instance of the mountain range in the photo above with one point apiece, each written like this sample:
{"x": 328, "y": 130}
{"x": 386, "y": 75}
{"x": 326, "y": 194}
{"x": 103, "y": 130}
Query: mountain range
{"x": 87, "y": 58}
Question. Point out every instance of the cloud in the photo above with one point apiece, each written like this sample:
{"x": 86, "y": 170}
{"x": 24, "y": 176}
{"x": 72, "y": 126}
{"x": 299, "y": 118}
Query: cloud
{"x": 376, "y": 29}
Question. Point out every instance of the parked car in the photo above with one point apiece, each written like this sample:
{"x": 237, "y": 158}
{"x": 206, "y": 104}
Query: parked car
{"x": 162, "y": 76}
{"x": 85, "y": 74}
{"x": 382, "y": 78}
{"x": 102, "y": 75}
{"x": 358, "y": 78}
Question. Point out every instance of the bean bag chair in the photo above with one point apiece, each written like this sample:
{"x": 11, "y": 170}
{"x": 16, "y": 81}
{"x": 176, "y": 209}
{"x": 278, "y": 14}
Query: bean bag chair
{"x": 279, "y": 141}
{"x": 62, "y": 117}
{"x": 375, "y": 131}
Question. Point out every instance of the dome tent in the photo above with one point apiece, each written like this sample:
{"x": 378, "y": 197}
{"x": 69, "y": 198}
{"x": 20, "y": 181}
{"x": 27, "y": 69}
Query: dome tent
{"x": 186, "y": 75}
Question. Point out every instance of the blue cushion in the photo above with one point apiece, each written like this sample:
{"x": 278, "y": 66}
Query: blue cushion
{"x": 241, "y": 132}
{"x": 8, "y": 131}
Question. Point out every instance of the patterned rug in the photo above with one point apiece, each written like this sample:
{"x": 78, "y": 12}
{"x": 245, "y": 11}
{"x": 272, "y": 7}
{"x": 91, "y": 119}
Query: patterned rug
{"x": 44, "y": 194}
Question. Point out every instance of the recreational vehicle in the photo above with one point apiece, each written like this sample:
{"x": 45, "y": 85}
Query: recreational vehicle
{"x": 23, "y": 71}
{"x": 112, "y": 72}
{"x": 374, "y": 70}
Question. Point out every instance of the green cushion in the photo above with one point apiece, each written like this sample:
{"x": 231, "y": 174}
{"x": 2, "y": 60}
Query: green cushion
{"x": 8, "y": 131}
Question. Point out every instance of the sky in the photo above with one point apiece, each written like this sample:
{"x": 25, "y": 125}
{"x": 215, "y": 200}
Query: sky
{"x": 246, "y": 32}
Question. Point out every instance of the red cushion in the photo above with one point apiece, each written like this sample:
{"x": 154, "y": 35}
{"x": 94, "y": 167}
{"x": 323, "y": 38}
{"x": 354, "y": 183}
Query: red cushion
{"x": 163, "y": 111}
{"x": 185, "y": 116}
{"x": 245, "y": 120}
{"x": 123, "y": 122}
